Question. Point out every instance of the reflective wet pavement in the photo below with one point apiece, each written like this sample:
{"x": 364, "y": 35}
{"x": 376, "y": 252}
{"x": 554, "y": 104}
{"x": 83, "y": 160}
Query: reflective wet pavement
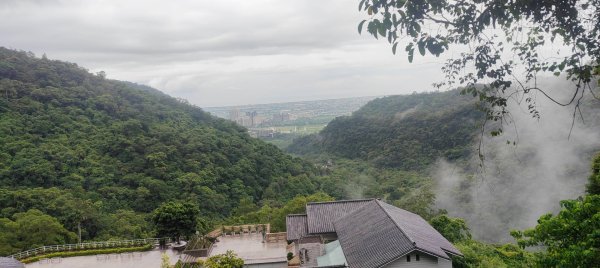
{"x": 150, "y": 259}
{"x": 250, "y": 247}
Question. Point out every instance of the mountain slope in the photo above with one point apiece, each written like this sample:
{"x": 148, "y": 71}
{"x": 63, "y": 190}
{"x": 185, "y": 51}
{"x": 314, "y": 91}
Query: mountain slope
{"x": 408, "y": 132}
{"x": 120, "y": 146}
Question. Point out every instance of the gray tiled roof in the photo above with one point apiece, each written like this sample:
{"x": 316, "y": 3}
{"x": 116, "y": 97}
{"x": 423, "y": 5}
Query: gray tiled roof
{"x": 295, "y": 226}
{"x": 426, "y": 237}
{"x": 322, "y": 214}
{"x": 378, "y": 233}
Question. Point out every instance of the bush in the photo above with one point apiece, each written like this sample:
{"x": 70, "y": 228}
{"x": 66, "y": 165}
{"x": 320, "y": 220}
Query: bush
{"x": 228, "y": 260}
{"x": 290, "y": 256}
{"x": 66, "y": 254}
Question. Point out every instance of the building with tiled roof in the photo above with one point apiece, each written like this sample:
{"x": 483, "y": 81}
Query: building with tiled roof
{"x": 366, "y": 233}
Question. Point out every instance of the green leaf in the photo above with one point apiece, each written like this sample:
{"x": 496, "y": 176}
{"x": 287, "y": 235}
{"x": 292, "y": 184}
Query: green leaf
{"x": 417, "y": 27}
{"x": 382, "y": 30}
{"x": 421, "y": 48}
{"x": 394, "y": 48}
{"x": 360, "y": 25}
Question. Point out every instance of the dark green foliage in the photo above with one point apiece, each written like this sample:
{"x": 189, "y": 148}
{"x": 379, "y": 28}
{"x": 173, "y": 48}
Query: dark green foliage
{"x": 511, "y": 42}
{"x": 572, "y": 238}
{"x": 88, "y": 252}
{"x": 181, "y": 264}
{"x": 593, "y": 186}
{"x": 276, "y": 214}
{"x": 349, "y": 179}
{"x": 226, "y": 260}
{"x": 88, "y": 150}
{"x": 32, "y": 229}
{"x": 477, "y": 254}
{"x": 407, "y": 132}
{"x": 175, "y": 219}
{"x": 453, "y": 229}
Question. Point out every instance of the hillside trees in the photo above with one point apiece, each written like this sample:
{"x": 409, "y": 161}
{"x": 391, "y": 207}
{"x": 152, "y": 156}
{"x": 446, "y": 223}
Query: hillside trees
{"x": 97, "y": 153}
{"x": 572, "y": 237}
{"x": 175, "y": 219}
{"x": 593, "y": 186}
{"x": 502, "y": 44}
{"x": 31, "y": 229}
{"x": 408, "y": 132}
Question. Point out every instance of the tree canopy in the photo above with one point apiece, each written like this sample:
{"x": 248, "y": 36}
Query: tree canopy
{"x": 408, "y": 132}
{"x": 103, "y": 154}
{"x": 176, "y": 219}
{"x": 572, "y": 237}
{"x": 32, "y": 229}
{"x": 226, "y": 260}
{"x": 505, "y": 44}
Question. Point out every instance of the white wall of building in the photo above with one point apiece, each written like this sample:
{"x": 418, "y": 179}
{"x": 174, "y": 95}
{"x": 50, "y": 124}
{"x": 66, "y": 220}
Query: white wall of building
{"x": 424, "y": 261}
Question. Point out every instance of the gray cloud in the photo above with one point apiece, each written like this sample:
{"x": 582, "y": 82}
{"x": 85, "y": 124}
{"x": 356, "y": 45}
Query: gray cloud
{"x": 214, "y": 52}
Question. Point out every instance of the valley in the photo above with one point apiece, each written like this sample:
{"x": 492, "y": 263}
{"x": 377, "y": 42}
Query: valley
{"x": 86, "y": 158}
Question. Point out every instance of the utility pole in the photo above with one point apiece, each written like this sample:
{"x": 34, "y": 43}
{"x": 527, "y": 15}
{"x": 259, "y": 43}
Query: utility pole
{"x": 79, "y": 231}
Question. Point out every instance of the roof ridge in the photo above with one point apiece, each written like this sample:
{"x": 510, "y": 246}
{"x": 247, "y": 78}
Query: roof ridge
{"x": 378, "y": 202}
{"x": 341, "y": 201}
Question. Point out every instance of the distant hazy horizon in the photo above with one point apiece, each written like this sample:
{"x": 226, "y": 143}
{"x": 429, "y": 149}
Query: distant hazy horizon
{"x": 293, "y": 101}
{"x": 263, "y": 51}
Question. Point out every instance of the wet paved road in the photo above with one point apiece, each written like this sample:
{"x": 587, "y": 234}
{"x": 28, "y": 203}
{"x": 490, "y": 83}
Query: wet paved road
{"x": 149, "y": 259}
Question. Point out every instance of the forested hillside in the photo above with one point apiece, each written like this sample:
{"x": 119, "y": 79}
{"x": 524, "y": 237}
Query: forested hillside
{"x": 408, "y": 132}
{"x": 102, "y": 153}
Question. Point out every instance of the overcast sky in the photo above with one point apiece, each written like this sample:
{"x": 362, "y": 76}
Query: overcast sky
{"x": 217, "y": 53}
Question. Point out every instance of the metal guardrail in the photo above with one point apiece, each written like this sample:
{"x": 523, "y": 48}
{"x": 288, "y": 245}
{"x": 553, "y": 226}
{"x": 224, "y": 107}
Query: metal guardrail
{"x": 89, "y": 245}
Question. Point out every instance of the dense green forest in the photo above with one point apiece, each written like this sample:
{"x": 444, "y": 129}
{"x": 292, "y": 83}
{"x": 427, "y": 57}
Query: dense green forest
{"x": 389, "y": 148}
{"x": 407, "y": 132}
{"x": 79, "y": 149}
{"x": 82, "y": 151}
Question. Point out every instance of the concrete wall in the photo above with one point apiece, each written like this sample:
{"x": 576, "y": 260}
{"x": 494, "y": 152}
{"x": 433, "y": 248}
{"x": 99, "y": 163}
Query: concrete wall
{"x": 424, "y": 261}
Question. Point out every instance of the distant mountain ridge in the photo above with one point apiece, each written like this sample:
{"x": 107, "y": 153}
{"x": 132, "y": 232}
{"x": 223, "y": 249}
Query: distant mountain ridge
{"x": 406, "y": 131}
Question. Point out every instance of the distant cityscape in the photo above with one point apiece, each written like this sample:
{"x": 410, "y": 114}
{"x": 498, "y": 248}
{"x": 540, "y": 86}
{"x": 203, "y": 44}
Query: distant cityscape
{"x": 268, "y": 120}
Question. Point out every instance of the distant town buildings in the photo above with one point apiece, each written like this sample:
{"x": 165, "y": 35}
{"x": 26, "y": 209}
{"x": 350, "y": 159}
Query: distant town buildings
{"x": 281, "y": 117}
{"x": 248, "y": 119}
{"x": 268, "y": 120}
{"x": 253, "y": 119}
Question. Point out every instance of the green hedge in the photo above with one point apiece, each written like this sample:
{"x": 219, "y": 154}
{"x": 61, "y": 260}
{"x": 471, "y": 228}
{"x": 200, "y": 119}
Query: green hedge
{"x": 87, "y": 252}
{"x": 92, "y": 247}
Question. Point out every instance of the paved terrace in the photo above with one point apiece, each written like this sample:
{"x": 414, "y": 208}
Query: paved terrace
{"x": 251, "y": 248}
{"x": 148, "y": 259}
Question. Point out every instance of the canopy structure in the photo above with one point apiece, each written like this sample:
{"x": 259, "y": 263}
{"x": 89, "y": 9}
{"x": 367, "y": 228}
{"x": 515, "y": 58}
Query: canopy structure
{"x": 334, "y": 255}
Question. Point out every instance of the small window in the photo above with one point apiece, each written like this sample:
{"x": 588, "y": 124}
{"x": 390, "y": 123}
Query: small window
{"x": 407, "y": 258}
{"x": 417, "y": 257}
